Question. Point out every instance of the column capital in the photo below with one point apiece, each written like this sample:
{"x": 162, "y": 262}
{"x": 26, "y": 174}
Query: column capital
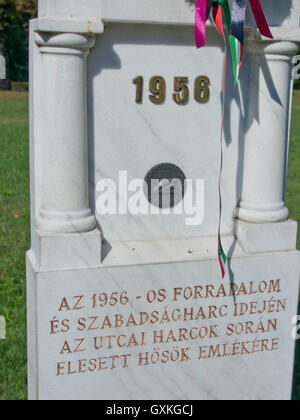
{"x": 66, "y": 42}
{"x": 272, "y": 47}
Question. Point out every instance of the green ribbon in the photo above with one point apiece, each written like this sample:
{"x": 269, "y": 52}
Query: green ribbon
{"x": 225, "y": 6}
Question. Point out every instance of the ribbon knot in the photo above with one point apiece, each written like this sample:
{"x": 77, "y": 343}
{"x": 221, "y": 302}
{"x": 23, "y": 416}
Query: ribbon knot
{"x": 235, "y": 19}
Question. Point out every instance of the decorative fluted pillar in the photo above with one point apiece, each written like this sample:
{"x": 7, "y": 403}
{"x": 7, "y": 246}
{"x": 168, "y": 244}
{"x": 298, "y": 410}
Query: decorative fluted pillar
{"x": 266, "y": 139}
{"x": 65, "y": 198}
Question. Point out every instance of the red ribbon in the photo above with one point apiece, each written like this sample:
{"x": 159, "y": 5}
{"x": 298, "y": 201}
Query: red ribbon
{"x": 217, "y": 15}
{"x": 260, "y": 19}
{"x": 202, "y": 6}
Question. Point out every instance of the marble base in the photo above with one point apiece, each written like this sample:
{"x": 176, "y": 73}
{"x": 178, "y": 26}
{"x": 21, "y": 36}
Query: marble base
{"x": 54, "y": 251}
{"x": 267, "y": 237}
{"x": 69, "y": 358}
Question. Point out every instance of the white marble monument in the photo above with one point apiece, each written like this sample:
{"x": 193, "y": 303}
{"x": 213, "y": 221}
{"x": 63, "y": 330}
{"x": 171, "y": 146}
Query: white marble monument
{"x": 130, "y": 305}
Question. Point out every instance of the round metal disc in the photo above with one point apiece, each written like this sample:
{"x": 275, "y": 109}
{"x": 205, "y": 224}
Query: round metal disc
{"x": 165, "y": 185}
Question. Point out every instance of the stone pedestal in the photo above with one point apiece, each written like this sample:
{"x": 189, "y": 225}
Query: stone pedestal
{"x": 81, "y": 352}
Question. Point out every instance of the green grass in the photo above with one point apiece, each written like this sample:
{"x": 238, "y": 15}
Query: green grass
{"x": 14, "y": 235}
{"x": 293, "y": 180}
{"x": 14, "y": 241}
{"x": 293, "y": 202}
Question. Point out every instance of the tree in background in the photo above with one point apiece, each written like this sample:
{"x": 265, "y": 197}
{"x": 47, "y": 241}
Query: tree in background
{"x": 14, "y": 23}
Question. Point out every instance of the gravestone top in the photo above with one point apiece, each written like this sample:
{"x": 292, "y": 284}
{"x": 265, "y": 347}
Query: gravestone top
{"x": 279, "y": 13}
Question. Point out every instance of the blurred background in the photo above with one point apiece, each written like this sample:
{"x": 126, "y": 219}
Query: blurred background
{"x": 14, "y": 19}
{"x": 14, "y": 195}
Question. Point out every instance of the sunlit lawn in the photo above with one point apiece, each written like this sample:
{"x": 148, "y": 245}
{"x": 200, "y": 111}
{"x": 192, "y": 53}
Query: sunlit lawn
{"x": 293, "y": 202}
{"x": 14, "y": 240}
{"x": 14, "y": 234}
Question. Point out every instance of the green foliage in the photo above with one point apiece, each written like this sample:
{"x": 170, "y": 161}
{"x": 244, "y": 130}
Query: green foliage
{"x": 14, "y": 18}
{"x": 293, "y": 179}
{"x": 14, "y": 241}
{"x": 293, "y": 198}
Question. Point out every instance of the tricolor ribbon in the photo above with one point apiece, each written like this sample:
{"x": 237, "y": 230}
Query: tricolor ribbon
{"x": 217, "y": 16}
{"x": 203, "y": 10}
{"x": 238, "y": 17}
{"x": 235, "y": 22}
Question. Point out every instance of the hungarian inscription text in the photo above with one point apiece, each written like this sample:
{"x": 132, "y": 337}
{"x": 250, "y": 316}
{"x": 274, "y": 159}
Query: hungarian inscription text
{"x": 103, "y": 331}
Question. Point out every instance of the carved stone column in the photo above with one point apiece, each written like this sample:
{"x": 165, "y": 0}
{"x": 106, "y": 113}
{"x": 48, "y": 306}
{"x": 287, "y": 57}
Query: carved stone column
{"x": 266, "y": 140}
{"x": 65, "y": 199}
{"x": 262, "y": 217}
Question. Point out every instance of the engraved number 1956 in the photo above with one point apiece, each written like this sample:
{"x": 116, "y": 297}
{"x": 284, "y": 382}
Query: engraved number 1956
{"x": 181, "y": 94}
